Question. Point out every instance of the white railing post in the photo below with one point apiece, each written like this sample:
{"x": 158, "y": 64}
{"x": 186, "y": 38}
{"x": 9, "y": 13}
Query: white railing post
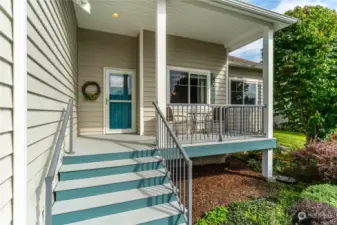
{"x": 49, "y": 200}
{"x": 268, "y": 79}
{"x": 71, "y": 130}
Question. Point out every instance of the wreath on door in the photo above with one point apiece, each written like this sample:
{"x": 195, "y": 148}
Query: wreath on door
{"x": 91, "y": 96}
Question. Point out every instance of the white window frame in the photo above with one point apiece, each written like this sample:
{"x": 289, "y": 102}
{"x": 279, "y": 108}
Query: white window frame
{"x": 247, "y": 80}
{"x": 206, "y": 73}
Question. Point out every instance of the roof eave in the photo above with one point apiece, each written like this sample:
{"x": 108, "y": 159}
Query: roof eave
{"x": 232, "y": 64}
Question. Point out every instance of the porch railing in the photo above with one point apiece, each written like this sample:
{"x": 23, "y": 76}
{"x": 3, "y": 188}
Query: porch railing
{"x": 193, "y": 123}
{"x": 68, "y": 117}
{"x": 176, "y": 162}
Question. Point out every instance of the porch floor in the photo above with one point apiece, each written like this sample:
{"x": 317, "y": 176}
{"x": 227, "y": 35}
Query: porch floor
{"x": 118, "y": 143}
{"x": 102, "y": 144}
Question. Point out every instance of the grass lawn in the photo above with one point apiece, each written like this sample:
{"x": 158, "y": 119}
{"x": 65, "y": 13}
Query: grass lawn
{"x": 292, "y": 140}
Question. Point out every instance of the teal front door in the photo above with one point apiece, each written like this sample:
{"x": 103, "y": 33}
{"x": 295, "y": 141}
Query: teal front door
{"x": 119, "y": 101}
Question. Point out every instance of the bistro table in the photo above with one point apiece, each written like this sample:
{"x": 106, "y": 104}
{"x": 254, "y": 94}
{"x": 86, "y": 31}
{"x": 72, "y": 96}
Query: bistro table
{"x": 202, "y": 117}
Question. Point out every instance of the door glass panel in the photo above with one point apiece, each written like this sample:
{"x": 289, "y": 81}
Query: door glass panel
{"x": 120, "y": 87}
{"x": 120, "y": 115}
{"x": 179, "y": 87}
{"x": 120, "y": 101}
{"x": 198, "y": 89}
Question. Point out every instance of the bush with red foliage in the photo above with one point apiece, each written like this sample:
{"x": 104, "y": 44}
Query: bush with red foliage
{"x": 306, "y": 212}
{"x": 318, "y": 161}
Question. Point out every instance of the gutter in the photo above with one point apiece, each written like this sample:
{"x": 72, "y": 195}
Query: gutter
{"x": 258, "y": 10}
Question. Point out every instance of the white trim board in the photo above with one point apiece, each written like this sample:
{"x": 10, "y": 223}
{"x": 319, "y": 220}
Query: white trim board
{"x": 188, "y": 70}
{"x": 106, "y": 128}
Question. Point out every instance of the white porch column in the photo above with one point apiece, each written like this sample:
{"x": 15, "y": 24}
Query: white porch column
{"x": 268, "y": 79}
{"x": 161, "y": 55}
{"x": 19, "y": 112}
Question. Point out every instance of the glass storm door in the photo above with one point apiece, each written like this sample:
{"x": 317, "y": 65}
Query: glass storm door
{"x": 119, "y": 102}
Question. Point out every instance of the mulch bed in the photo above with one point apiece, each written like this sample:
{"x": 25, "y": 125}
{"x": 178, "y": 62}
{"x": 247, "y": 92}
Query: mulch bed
{"x": 222, "y": 184}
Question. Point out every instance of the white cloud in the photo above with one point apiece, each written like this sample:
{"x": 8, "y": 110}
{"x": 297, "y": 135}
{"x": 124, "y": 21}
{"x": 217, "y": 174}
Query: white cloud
{"x": 286, "y": 5}
{"x": 253, "y": 50}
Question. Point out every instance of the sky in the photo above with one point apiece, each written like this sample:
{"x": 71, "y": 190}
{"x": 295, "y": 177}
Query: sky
{"x": 253, "y": 50}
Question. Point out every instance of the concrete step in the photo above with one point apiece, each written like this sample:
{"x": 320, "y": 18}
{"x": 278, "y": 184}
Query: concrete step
{"x": 163, "y": 214}
{"x": 80, "y": 209}
{"x": 79, "y": 188}
{"x": 96, "y": 169}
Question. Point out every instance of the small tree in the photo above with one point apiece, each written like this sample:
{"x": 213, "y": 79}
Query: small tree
{"x": 306, "y": 72}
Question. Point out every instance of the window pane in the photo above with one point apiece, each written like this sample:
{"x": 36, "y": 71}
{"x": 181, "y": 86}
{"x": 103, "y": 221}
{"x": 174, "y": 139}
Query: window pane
{"x": 236, "y": 92}
{"x": 198, "y": 89}
{"x": 250, "y": 93}
{"x": 179, "y": 87}
{"x": 120, "y": 87}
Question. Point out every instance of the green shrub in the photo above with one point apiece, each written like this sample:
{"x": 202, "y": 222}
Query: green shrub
{"x": 254, "y": 164}
{"x": 217, "y": 216}
{"x": 257, "y": 212}
{"x": 287, "y": 197}
{"x": 324, "y": 193}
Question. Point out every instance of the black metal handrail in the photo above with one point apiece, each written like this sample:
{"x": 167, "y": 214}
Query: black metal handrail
{"x": 68, "y": 117}
{"x": 176, "y": 162}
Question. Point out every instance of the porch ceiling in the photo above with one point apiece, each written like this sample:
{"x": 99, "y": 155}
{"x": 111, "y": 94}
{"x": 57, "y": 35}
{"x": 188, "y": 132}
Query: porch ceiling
{"x": 222, "y": 22}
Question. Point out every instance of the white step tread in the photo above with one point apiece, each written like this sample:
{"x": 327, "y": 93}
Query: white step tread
{"x": 78, "y": 204}
{"x": 107, "y": 164}
{"x": 136, "y": 216}
{"x": 111, "y": 179}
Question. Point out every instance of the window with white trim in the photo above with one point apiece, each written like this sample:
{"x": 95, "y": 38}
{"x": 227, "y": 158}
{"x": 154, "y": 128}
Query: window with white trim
{"x": 190, "y": 87}
{"x": 244, "y": 92}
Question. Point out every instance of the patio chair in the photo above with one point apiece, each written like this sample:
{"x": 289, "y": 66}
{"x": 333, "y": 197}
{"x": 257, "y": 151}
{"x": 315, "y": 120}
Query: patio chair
{"x": 212, "y": 121}
{"x": 176, "y": 123}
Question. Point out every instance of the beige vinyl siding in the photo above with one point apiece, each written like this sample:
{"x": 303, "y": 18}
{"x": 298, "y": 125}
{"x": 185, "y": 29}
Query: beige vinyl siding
{"x": 181, "y": 52}
{"x": 51, "y": 82}
{"x": 97, "y": 50}
{"x": 6, "y": 111}
{"x": 245, "y": 73}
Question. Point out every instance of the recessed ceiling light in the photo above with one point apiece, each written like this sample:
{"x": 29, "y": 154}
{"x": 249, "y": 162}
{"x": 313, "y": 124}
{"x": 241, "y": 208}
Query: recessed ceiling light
{"x": 115, "y": 15}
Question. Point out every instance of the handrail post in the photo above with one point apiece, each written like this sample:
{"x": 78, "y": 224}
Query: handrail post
{"x": 220, "y": 126}
{"x": 71, "y": 138}
{"x": 190, "y": 192}
{"x": 264, "y": 109}
{"x": 49, "y": 200}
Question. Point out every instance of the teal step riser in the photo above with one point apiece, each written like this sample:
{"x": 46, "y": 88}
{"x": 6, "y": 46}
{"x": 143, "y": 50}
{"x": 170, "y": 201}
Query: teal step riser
{"x": 111, "y": 209}
{"x": 109, "y": 188}
{"x": 68, "y": 160}
{"x": 173, "y": 220}
{"x": 73, "y": 175}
